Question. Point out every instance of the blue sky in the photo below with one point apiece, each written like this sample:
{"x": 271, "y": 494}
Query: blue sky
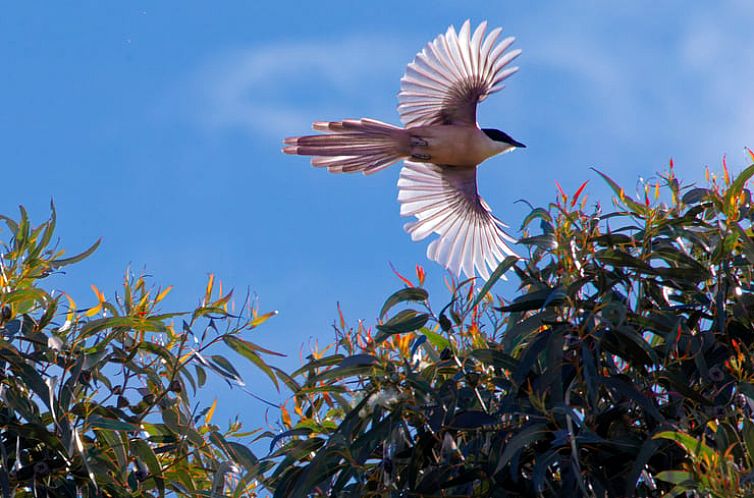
{"x": 158, "y": 127}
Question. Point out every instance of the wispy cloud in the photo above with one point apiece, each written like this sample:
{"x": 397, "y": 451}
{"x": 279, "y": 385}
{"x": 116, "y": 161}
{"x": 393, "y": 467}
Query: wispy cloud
{"x": 719, "y": 57}
{"x": 277, "y": 89}
{"x": 685, "y": 85}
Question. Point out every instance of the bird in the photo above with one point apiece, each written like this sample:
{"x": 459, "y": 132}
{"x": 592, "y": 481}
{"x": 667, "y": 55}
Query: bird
{"x": 441, "y": 145}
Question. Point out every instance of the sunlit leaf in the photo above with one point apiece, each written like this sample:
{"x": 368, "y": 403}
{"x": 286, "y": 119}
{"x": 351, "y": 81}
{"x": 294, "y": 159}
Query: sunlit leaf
{"x": 210, "y": 412}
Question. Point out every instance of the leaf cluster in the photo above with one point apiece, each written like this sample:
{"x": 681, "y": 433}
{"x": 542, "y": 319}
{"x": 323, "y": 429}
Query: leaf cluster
{"x": 622, "y": 368}
{"x": 97, "y": 401}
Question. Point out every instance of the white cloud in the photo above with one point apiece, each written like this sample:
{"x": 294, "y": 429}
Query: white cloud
{"x": 717, "y": 51}
{"x": 277, "y": 89}
{"x": 683, "y": 86}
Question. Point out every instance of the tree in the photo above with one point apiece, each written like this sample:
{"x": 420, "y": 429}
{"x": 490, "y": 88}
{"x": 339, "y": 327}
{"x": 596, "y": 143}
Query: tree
{"x": 97, "y": 401}
{"x": 622, "y": 368}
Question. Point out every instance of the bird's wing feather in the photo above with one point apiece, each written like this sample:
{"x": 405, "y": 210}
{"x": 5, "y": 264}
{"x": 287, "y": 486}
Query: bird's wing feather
{"x": 452, "y": 74}
{"x": 445, "y": 201}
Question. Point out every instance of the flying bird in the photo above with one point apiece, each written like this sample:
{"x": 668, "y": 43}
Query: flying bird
{"x": 441, "y": 145}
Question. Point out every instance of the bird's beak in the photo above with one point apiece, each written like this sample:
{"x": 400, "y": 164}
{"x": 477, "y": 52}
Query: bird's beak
{"x": 518, "y": 144}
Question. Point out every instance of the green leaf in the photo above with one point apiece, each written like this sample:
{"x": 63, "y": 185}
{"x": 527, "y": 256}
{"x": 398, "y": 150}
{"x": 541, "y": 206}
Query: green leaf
{"x": 648, "y": 449}
{"x": 403, "y": 295}
{"x": 622, "y": 259}
{"x": 201, "y": 375}
{"x": 523, "y": 438}
{"x": 545, "y": 241}
{"x": 694, "y": 447}
{"x": 59, "y": 263}
{"x": 49, "y": 228}
{"x": 78, "y": 443}
{"x": 503, "y": 267}
{"x": 242, "y": 455}
{"x": 98, "y": 422}
{"x": 118, "y": 444}
{"x": 225, "y": 368}
{"x": 536, "y": 300}
{"x": 624, "y": 198}
{"x": 676, "y": 477}
{"x": 435, "y": 339}
{"x": 737, "y": 185}
{"x": 748, "y": 437}
{"x": 349, "y": 367}
{"x": 320, "y": 363}
{"x": 126, "y": 322}
{"x": 746, "y": 243}
{"x": 630, "y": 345}
{"x": 472, "y": 419}
{"x": 534, "y": 214}
{"x": 405, "y": 321}
{"x": 696, "y": 195}
{"x": 144, "y": 452}
{"x": 247, "y": 350}
{"x": 496, "y": 358}
{"x": 627, "y": 389}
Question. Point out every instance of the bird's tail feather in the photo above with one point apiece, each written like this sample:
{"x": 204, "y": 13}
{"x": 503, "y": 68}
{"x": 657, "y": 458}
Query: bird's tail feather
{"x": 352, "y": 145}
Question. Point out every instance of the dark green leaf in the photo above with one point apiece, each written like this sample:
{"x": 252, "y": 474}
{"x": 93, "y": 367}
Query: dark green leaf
{"x": 247, "y": 350}
{"x": 472, "y": 419}
{"x": 737, "y": 185}
{"x": 59, "y": 263}
{"x": 405, "y": 321}
{"x": 403, "y": 295}
{"x": 96, "y": 421}
{"x": 523, "y": 438}
{"x": 536, "y": 300}
{"x": 696, "y": 195}
{"x": 503, "y": 267}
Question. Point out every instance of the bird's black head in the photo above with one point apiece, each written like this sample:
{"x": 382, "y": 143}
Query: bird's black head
{"x": 501, "y": 136}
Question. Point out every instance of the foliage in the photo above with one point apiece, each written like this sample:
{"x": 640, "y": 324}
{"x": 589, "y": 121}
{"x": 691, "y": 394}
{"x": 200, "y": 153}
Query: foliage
{"x": 623, "y": 368}
{"x": 97, "y": 401}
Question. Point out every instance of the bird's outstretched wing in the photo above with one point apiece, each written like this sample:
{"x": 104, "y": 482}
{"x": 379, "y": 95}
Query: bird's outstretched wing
{"x": 452, "y": 74}
{"x": 444, "y": 199}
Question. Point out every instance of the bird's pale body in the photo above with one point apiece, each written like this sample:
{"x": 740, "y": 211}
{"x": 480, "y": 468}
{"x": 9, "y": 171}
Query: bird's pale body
{"x": 455, "y": 145}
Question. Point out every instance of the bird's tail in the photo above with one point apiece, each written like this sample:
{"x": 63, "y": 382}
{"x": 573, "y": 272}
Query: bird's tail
{"x": 352, "y": 145}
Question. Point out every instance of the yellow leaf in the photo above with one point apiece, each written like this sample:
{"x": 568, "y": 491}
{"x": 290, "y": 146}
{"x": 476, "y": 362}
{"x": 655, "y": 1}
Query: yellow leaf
{"x": 286, "y": 417}
{"x": 259, "y": 320}
{"x": 98, "y": 293}
{"x": 143, "y": 302}
{"x": 94, "y": 310}
{"x": 71, "y": 309}
{"x": 208, "y": 291}
{"x": 162, "y": 294}
{"x": 210, "y": 412}
{"x": 225, "y": 304}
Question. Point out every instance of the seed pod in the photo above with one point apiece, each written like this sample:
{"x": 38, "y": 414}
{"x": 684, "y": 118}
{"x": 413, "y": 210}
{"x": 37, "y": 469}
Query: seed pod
{"x": 85, "y": 377}
{"x": 472, "y": 378}
{"x": 141, "y": 471}
{"x": 41, "y": 469}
